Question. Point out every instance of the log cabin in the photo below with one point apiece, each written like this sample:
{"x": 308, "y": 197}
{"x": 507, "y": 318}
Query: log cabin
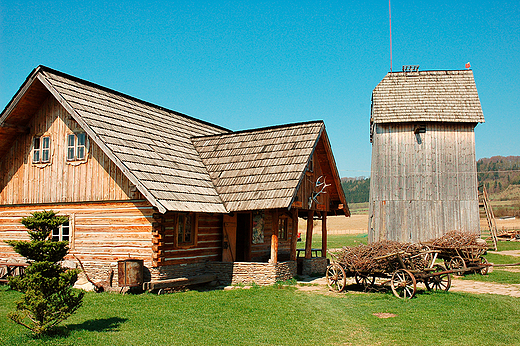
{"x": 137, "y": 181}
{"x": 424, "y": 175}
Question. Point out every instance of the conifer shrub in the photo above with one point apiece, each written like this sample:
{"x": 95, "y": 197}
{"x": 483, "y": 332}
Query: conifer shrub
{"x": 48, "y": 297}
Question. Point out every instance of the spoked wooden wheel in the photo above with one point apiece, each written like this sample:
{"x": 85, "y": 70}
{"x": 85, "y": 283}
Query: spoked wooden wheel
{"x": 365, "y": 280}
{"x": 441, "y": 282}
{"x": 484, "y": 270}
{"x": 403, "y": 284}
{"x": 457, "y": 262}
{"x": 336, "y": 278}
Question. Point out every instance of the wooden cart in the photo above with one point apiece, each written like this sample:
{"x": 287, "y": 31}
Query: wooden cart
{"x": 466, "y": 258}
{"x": 403, "y": 280}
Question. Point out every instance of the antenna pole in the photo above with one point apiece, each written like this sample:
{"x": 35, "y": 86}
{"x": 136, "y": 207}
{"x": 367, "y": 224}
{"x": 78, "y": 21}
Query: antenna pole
{"x": 390, "y": 17}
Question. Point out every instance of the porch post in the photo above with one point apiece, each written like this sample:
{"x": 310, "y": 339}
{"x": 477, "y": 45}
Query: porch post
{"x": 274, "y": 239}
{"x": 324, "y": 234}
{"x": 294, "y": 235}
{"x": 274, "y": 249}
{"x": 308, "y": 236}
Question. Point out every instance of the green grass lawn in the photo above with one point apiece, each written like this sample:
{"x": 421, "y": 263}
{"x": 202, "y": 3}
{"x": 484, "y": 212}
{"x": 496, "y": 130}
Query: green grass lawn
{"x": 274, "y": 316}
{"x": 500, "y": 274}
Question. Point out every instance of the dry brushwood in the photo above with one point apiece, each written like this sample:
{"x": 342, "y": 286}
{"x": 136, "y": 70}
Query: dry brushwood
{"x": 458, "y": 239}
{"x": 381, "y": 257}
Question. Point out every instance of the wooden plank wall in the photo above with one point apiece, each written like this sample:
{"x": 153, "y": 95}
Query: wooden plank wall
{"x": 207, "y": 248}
{"x": 423, "y": 187}
{"x": 22, "y": 182}
{"x": 261, "y": 252}
{"x": 308, "y": 186}
{"x": 103, "y": 233}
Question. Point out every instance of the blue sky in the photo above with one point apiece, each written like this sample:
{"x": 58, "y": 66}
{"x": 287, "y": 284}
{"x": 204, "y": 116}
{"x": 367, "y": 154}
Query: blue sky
{"x": 244, "y": 65}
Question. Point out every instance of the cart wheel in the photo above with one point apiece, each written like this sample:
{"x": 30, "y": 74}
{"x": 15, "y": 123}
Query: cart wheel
{"x": 484, "y": 270}
{"x": 457, "y": 262}
{"x": 365, "y": 280}
{"x": 403, "y": 284}
{"x": 439, "y": 282}
{"x": 336, "y": 278}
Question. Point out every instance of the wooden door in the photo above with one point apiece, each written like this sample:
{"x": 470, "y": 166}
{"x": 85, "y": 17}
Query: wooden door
{"x": 243, "y": 237}
{"x": 230, "y": 238}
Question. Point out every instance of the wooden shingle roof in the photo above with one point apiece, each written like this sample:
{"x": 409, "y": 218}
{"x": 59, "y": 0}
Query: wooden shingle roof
{"x": 151, "y": 145}
{"x": 262, "y": 168}
{"x": 439, "y": 96}
{"x": 177, "y": 162}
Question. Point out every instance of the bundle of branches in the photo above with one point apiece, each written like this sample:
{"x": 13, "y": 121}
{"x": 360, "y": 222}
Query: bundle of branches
{"x": 381, "y": 256}
{"x": 458, "y": 239}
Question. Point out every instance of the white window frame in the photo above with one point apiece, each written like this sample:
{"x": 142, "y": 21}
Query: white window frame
{"x": 41, "y": 152}
{"x": 76, "y": 146}
{"x": 63, "y": 232}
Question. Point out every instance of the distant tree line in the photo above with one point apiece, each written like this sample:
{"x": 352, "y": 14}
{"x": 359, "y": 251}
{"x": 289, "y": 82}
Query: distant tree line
{"x": 356, "y": 189}
{"x": 498, "y": 172}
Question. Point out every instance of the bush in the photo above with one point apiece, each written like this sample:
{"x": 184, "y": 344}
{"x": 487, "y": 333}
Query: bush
{"x": 48, "y": 294}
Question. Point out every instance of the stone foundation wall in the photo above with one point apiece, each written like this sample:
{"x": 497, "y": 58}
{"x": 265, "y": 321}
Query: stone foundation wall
{"x": 252, "y": 272}
{"x": 315, "y": 265}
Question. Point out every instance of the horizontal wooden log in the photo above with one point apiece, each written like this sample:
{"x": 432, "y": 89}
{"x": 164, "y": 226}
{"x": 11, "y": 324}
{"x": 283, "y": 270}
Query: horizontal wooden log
{"x": 171, "y": 283}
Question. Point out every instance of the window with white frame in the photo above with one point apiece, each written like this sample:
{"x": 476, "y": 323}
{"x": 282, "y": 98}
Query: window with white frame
{"x": 41, "y": 149}
{"x": 62, "y": 233}
{"x": 76, "y": 146}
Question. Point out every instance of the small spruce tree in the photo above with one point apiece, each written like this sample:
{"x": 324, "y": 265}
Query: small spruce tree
{"x": 48, "y": 294}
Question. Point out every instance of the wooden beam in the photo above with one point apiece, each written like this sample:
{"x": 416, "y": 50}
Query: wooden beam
{"x": 294, "y": 236}
{"x": 274, "y": 249}
{"x": 324, "y": 234}
{"x": 16, "y": 128}
{"x": 308, "y": 236}
{"x": 184, "y": 281}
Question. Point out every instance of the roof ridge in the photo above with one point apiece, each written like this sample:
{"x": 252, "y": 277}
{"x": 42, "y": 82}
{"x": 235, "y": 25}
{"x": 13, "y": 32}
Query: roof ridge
{"x": 119, "y": 93}
{"x": 261, "y": 129}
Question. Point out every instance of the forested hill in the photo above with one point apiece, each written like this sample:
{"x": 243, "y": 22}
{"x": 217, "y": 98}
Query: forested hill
{"x": 356, "y": 189}
{"x": 498, "y": 172}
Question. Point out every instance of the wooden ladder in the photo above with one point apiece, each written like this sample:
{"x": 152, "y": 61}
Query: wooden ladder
{"x": 489, "y": 235}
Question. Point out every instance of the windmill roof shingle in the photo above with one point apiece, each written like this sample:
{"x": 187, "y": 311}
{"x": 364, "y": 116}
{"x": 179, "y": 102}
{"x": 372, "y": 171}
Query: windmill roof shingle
{"x": 439, "y": 96}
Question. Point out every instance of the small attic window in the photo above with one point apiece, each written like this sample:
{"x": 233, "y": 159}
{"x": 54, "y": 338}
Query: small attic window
{"x": 76, "y": 146}
{"x": 41, "y": 149}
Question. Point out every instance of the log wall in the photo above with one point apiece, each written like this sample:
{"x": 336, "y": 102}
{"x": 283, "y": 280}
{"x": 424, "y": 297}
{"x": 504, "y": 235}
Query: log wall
{"x": 22, "y": 182}
{"x": 101, "y": 233}
{"x": 208, "y": 246}
{"x": 422, "y": 185}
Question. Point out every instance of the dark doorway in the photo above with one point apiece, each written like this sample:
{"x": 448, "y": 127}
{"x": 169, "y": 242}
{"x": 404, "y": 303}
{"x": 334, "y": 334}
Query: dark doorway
{"x": 243, "y": 237}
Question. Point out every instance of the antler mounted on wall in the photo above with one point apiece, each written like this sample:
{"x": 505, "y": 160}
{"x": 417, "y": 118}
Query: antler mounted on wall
{"x": 316, "y": 193}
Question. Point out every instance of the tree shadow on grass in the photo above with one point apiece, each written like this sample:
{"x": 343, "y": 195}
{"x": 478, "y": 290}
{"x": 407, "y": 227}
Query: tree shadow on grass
{"x": 98, "y": 325}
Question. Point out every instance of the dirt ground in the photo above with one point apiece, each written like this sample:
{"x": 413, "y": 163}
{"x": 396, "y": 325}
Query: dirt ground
{"x": 359, "y": 224}
{"x": 319, "y": 285}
